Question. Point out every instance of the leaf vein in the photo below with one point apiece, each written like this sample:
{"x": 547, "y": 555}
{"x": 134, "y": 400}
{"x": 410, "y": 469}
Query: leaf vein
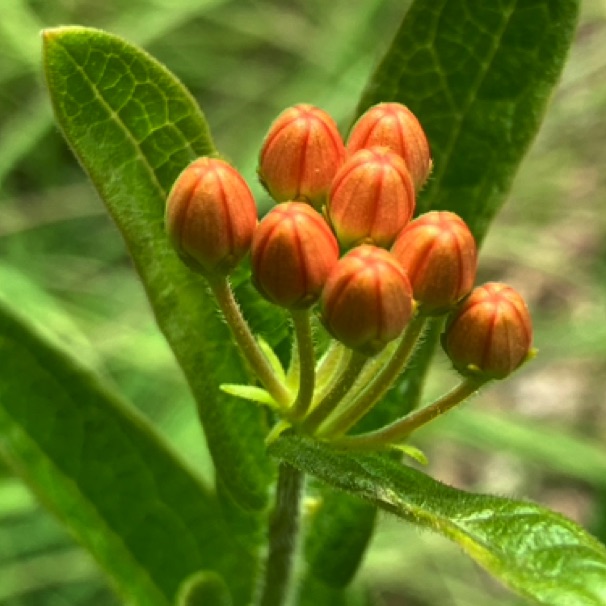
{"x": 459, "y": 118}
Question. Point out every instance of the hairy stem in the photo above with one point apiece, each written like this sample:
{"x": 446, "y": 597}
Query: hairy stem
{"x": 353, "y": 411}
{"x": 329, "y": 364}
{"x": 247, "y": 342}
{"x": 283, "y": 533}
{"x": 307, "y": 375}
{"x": 339, "y": 389}
{"x": 400, "y": 429}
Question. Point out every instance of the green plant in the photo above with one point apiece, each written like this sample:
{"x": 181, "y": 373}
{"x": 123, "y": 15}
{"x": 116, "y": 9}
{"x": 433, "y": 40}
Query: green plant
{"x": 106, "y": 473}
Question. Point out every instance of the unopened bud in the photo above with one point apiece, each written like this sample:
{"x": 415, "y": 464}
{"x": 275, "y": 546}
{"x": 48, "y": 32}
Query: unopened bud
{"x": 300, "y": 155}
{"x": 393, "y": 125}
{"x": 367, "y": 299}
{"x": 490, "y": 334}
{"x": 211, "y": 216}
{"x": 293, "y": 251}
{"x": 438, "y": 252}
{"x": 371, "y": 198}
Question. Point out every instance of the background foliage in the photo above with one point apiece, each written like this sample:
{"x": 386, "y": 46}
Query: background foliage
{"x": 64, "y": 263}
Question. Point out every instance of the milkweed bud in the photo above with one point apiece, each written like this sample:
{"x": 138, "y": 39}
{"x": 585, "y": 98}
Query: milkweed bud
{"x": 300, "y": 155}
{"x": 211, "y": 216}
{"x": 371, "y": 198}
{"x": 490, "y": 334}
{"x": 293, "y": 251}
{"x": 438, "y": 252}
{"x": 367, "y": 299}
{"x": 393, "y": 125}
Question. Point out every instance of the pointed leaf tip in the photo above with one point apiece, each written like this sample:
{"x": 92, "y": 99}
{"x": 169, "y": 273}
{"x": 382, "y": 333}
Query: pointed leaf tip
{"x": 134, "y": 127}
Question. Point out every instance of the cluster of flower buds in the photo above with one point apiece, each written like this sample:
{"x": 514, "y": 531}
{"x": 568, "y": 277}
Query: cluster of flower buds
{"x": 343, "y": 235}
{"x": 366, "y": 195}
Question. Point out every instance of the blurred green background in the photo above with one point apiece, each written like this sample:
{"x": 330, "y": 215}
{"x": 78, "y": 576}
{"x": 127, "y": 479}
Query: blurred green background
{"x": 541, "y": 435}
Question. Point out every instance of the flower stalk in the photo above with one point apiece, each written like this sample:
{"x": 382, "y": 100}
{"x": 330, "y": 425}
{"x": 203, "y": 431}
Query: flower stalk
{"x": 330, "y": 366}
{"x": 283, "y": 537}
{"x": 402, "y": 428}
{"x": 247, "y": 342}
{"x": 337, "y": 392}
{"x": 306, "y": 356}
{"x": 342, "y": 420}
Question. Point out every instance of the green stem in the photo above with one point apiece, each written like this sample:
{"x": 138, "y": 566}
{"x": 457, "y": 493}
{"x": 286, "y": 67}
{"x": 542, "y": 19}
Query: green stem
{"x": 329, "y": 362}
{"x": 331, "y": 367}
{"x": 362, "y": 403}
{"x": 307, "y": 375}
{"x": 292, "y": 374}
{"x": 247, "y": 342}
{"x": 372, "y": 368}
{"x": 337, "y": 392}
{"x": 402, "y": 428}
{"x": 283, "y": 531}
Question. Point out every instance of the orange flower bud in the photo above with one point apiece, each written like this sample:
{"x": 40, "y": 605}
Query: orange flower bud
{"x": 300, "y": 155}
{"x": 490, "y": 334}
{"x": 211, "y": 216}
{"x": 293, "y": 251}
{"x": 438, "y": 252}
{"x": 371, "y": 198}
{"x": 393, "y": 125}
{"x": 367, "y": 299}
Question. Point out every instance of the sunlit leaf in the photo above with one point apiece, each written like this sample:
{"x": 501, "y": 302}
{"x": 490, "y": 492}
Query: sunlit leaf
{"x": 478, "y": 76}
{"x": 134, "y": 128}
{"x": 538, "y": 553}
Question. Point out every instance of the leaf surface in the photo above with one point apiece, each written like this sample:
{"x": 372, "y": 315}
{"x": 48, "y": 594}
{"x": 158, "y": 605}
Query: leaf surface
{"x": 342, "y": 529}
{"x": 538, "y": 553}
{"x": 478, "y": 75}
{"x": 104, "y": 471}
{"x": 134, "y": 127}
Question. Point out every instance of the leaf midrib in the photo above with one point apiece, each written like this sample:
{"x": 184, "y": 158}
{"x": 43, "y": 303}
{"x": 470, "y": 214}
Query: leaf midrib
{"x": 113, "y": 115}
{"x": 462, "y": 114}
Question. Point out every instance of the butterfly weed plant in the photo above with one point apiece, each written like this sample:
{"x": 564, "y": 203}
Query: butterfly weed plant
{"x": 368, "y": 256}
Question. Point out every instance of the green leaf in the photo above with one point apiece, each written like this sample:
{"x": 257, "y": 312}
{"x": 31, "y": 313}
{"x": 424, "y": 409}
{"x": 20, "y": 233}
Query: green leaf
{"x": 412, "y": 452}
{"x": 478, "y": 75}
{"x": 273, "y": 359}
{"x": 313, "y": 592}
{"x": 338, "y": 536}
{"x": 251, "y": 393}
{"x": 204, "y": 589}
{"x": 134, "y": 128}
{"x": 246, "y": 526}
{"x": 539, "y": 553}
{"x": 50, "y": 317}
{"x": 108, "y": 476}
